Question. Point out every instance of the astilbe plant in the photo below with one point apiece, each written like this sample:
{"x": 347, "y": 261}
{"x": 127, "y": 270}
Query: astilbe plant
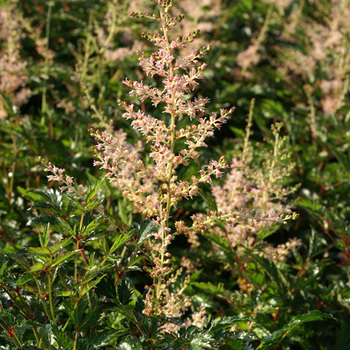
{"x": 154, "y": 185}
{"x": 255, "y": 187}
{"x": 71, "y": 289}
{"x": 13, "y": 75}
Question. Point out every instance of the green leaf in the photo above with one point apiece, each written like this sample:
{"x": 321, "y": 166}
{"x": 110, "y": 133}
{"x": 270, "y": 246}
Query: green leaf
{"x": 265, "y": 232}
{"x": 293, "y": 325}
{"x": 209, "y": 287}
{"x": 124, "y": 212}
{"x": 341, "y": 157}
{"x": 120, "y": 240}
{"x": 50, "y": 196}
{"x": 65, "y": 227}
{"x": 92, "y": 192}
{"x": 91, "y": 315}
{"x": 146, "y": 230}
{"x": 23, "y": 279}
{"x": 37, "y": 267}
{"x": 31, "y": 195}
{"x": 3, "y": 267}
{"x": 88, "y": 286}
{"x": 40, "y": 250}
{"x": 59, "y": 245}
{"x": 208, "y": 199}
{"x": 44, "y": 236}
{"x": 62, "y": 338}
{"x": 248, "y": 4}
{"x": 43, "y": 220}
{"x": 220, "y": 241}
{"x": 130, "y": 344}
{"x": 106, "y": 287}
{"x": 62, "y": 258}
{"x": 228, "y": 322}
{"x": 132, "y": 260}
{"x": 202, "y": 341}
{"x": 272, "y": 271}
{"x": 124, "y": 292}
{"x": 237, "y": 131}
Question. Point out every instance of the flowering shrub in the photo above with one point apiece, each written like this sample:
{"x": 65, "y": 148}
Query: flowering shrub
{"x": 177, "y": 234}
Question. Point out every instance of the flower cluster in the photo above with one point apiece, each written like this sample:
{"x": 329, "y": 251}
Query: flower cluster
{"x": 250, "y": 186}
{"x": 152, "y": 183}
{"x": 323, "y": 61}
{"x": 13, "y": 77}
{"x": 66, "y": 182}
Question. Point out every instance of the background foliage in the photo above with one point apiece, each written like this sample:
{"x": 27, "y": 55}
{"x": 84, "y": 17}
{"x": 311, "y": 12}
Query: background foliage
{"x": 71, "y": 267}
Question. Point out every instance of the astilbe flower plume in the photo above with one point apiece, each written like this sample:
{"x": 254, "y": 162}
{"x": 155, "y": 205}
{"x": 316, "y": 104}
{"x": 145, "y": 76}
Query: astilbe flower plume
{"x": 13, "y": 77}
{"x": 256, "y": 190}
{"x": 322, "y": 61}
{"x": 154, "y": 185}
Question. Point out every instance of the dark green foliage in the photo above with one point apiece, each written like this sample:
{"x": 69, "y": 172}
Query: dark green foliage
{"x": 73, "y": 268}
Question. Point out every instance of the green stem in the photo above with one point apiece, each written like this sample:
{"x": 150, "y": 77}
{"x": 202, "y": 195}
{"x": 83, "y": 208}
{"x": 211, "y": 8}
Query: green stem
{"x": 50, "y": 296}
{"x": 271, "y": 170}
{"x": 46, "y": 66}
{"x": 78, "y": 247}
{"x": 6, "y": 331}
{"x": 42, "y": 299}
{"x": 76, "y": 338}
{"x": 165, "y": 221}
{"x": 248, "y": 129}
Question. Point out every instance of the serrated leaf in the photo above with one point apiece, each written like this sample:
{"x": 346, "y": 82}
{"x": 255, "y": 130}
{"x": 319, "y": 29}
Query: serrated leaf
{"x": 123, "y": 211}
{"x": 271, "y": 270}
{"x": 208, "y": 199}
{"x": 294, "y": 324}
{"x": 3, "y": 267}
{"x": 228, "y": 322}
{"x": 23, "y": 279}
{"x": 90, "y": 228}
{"x": 64, "y": 226}
{"x": 43, "y": 220}
{"x": 60, "y": 245}
{"x": 130, "y": 344}
{"x": 51, "y": 196}
{"x": 139, "y": 305}
{"x": 91, "y": 316}
{"x": 133, "y": 259}
{"x": 29, "y": 194}
{"x": 146, "y": 230}
{"x": 209, "y": 287}
{"x": 101, "y": 339}
{"x": 92, "y": 205}
{"x": 61, "y": 338}
{"x": 106, "y": 287}
{"x": 266, "y": 232}
{"x": 62, "y": 258}
{"x": 37, "y": 267}
{"x": 124, "y": 292}
{"x": 88, "y": 286}
{"x": 40, "y": 250}
{"x": 44, "y": 236}
{"x": 120, "y": 240}
{"x": 220, "y": 241}
{"x": 92, "y": 192}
